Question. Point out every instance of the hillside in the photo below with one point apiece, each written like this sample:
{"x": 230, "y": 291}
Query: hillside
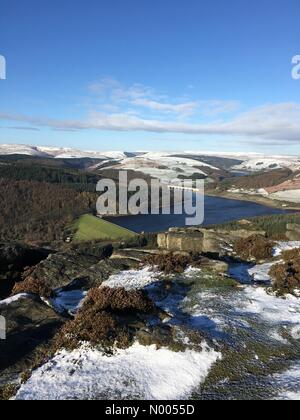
{"x": 257, "y": 180}
{"x": 264, "y": 163}
{"x": 57, "y": 153}
{"x": 91, "y": 228}
{"x": 166, "y": 167}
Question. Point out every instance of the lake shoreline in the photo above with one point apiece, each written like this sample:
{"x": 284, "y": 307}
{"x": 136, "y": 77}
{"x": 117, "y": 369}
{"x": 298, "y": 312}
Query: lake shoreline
{"x": 255, "y": 199}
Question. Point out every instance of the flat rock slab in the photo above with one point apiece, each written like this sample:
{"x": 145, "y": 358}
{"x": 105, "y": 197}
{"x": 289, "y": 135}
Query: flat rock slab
{"x": 29, "y": 323}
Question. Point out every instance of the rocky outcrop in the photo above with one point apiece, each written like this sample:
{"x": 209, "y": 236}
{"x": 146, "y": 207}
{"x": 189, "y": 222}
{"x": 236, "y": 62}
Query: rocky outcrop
{"x": 293, "y": 232}
{"x": 220, "y": 267}
{"x": 188, "y": 240}
{"x": 200, "y": 240}
{"x": 121, "y": 260}
{"x": 60, "y": 269}
{"x": 29, "y": 324}
{"x": 13, "y": 259}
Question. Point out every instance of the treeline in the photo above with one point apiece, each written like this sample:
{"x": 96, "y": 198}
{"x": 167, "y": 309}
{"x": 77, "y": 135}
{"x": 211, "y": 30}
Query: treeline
{"x": 38, "y": 211}
{"x": 77, "y": 180}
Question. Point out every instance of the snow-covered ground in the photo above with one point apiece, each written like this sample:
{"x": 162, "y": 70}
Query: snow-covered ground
{"x": 285, "y": 246}
{"x": 268, "y": 163}
{"x": 273, "y": 309}
{"x": 292, "y": 196}
{"x": 246, "y": 273}
{"x": 13, "y": 299}
{"x": 289, "y": 382}
{"x": 136, "y": 373}
{"x": 260, "y": 272}
{"x": 145, "y": 372}
{"x": 132, "y": 279}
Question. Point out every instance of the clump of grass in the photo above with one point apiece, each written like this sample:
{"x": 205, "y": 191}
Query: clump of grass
{"x": 89, "y": 326}
{"x": 99, "y": 320}
{"x": 34, "y": 286}
{"x": 169, "y": 263}
{"x": 286, "y": 275}
{"x": 255, "y": 247}
{"x": 8, "y": 391}
{"x": 291, "y": 254}
{"x": 118, "y": 301}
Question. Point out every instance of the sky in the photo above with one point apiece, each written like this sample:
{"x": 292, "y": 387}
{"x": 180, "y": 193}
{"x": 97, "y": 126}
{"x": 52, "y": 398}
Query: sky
{"x": 138, "y": 75}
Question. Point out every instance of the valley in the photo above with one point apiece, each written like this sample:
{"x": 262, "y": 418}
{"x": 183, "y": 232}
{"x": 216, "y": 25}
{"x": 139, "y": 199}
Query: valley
{"x": 120, "y": 308}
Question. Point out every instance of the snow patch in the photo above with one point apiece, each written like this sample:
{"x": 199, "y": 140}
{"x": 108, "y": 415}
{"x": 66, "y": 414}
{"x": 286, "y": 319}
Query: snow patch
{"x": 13, "y": 299}
{"x": 289, "y": 382}
{"x": 285, "y": 246}
{"x": 285, "y": 311}
{"x": 292, "y": 196}
{"x": 260, "y": 272}
{"x": 69, "y": 301}
{"x": 136, "y": 373}
{"x": 132, "y": 279}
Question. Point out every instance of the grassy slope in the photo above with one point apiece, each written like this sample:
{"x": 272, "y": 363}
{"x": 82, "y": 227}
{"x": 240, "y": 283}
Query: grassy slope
{"x": 90, "y": 228}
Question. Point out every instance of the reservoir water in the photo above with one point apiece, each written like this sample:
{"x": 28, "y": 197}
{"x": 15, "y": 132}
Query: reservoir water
{"x": 217, "y": 210}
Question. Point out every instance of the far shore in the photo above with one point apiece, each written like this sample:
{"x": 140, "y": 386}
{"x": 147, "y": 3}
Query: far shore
{"x": 283, "y": 205}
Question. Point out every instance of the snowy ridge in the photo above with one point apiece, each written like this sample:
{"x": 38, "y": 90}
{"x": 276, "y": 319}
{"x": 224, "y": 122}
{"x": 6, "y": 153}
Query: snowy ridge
{"x": 58, "y": 153}
{"x": 269, "y": 163}
{"x": 164, "y": 166}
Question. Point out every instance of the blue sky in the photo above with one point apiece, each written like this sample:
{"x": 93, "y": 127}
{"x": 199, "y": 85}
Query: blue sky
{"x": 151, "y": 75}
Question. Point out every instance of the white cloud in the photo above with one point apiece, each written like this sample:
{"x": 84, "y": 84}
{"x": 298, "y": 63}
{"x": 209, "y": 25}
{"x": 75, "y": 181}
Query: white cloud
{"x": 140, "y": 108}
{"x": 114, "y": 94}
{"x": 138, "y": 95}
{"x": 187, "y": 108}
{"x": 272, "y": 122}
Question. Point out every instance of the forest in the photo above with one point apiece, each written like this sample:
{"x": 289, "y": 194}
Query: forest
{"x": 37, "y": 201}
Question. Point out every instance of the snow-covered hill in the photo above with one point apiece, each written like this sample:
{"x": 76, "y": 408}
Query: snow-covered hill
{"x": 58, "y": 153}
{"x": 165, "y": 166}
{"x": 269, "y": 163}
{"x": 20, "y": 149}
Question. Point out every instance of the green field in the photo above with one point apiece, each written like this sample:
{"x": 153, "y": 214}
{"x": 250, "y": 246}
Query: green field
{"x": 91, "y": 228}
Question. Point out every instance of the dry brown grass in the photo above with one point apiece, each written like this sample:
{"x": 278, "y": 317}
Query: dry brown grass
{"x": 255, "y": 247}
{"x": 118, "y": 301}
{"x": 32, "y": 285}
{"x": 286, "y": 275}
{"x": 291, "y": 255}
{"x": 8, "y": 391}
{"x": 98, "y": 320}
{"x": 169, "y": 263}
